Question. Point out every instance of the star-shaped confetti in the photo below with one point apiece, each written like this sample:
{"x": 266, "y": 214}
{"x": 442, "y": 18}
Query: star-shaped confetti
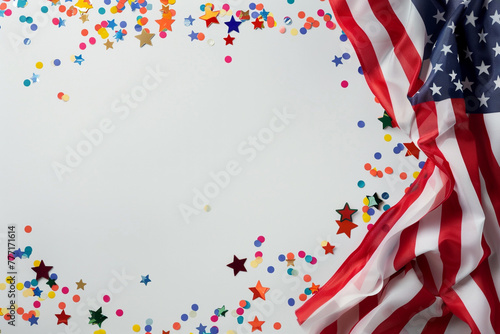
{"x": 328, "y": 248}
{"x": 188, "y": 21}
{"x": 229, "y": 39}
{"x": 244, "y": 15}
{"x": 62, "y": 318}
{"x": 145, "y": 38}
{"x": 145, "y": 279}
{"x": 111, "y": 24}
{"x": 37, "y": 292}
{"x": 108, "y": 44}
{"x": 386, "y": 120}
{"x": 259, "y": 291}
{"x": 314, "y": 288}
{"x": 345, "y": 227}
{"x": 51, "y": 282}
{"x": 193, "y": 35}
{"x": 346, "y": 213}
{"x": 237, "y": 265}
{"x": 256, "y": 324}
{"x": 201, "y": 329}
{"x": 222, "y": 311}
{"x": 337, "y": 61}
{"x": 79, "y": 60}
{"x": 258, "y": 24}
{"x": 374, "y": 201}
{"x": 35, "y": 78}
{"x": 84, "y": 17}
{"x": 80, "y": 285}
{"x": 412, "y": 149}
{"x": 33, "y": 320}
{"x": 165, "y": 23}
{"x": 233, "y": 25}
{"x": 290, "y": 262}
{"x": 42, "y": 271}
{"x": 210, "y": 16}
{"x": 96, "y": 317}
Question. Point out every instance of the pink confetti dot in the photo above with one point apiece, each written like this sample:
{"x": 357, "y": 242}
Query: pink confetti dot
{"x": 104, "y": 24}
{"x": 314, "y": 260}
{"x": 65, "y": 290}
{"x": 240, "y": 311}
{"x": 330, "y": 25}
{"x": 214, "y": 318}
{"x": 119, "y": 312}
{"x": 321, "y": 12}
{"x": 369, "y": 226}
{"x": 8, "y": 12}
{"x": 55, "y": 21}
{"x": 344, "y": 83}
{"x": 92, "y": 40}
{"x": 163, "y": 34}
{"x": 302, "y": 254}
{"x": 83, "y": 46}
{"x": 36, "y": 304}
{"x": 228, "y": 59}
{"x": 226, "y": 7}
{"x": 258, "y": 254}
{"x": 261, "y": 239}
{"x": 106, "y": 298}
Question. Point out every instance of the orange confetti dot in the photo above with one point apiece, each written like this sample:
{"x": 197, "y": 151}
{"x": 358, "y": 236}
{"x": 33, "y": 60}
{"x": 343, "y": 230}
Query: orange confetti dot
{"x": 201, "y": 36}
{"x": 373, "y": 172}
{"x": 76, "y": 298}
{"x": 172, "y": 11}
{"x": 62, "y": 305}
{"x": 303, "y": 297}
{"x": 176, "y": 326}
{"x": 27, "y": 229}
{"x": 327, "y": 18}
{"x": 290, "y": 256}
{"x": 376, "y": 100}
{"x": 144, "y": 21}
{"x": 307, "y": 25}
{"x": 6, "y": 316}
{"x": 368, "y": 166}
{"x": 62, "y": 8}
{"x": 20, "y": 310}
{"x": 26, "y": 316}
{"x": 270, "y": 21}
{"x": 403, "y": 176}
{"x": 389, "y": 170}
{"x": 310, "y": 19}
{"x": 380, "y": 174}
{"x": 55, "y": 287}
{"x": 3, "y": 6}
{"x": 277, "y": 325}
{"x": 143, "y": 10}
{"x": 259, "y": 6}
{"x": 243, "y": 303}
{"x": 407, "y": 189}
{"x": 301, "y": 15}
{"x": 315, "y": 24}
{"x": 365, "y": 208}
{"x": 307, "y": 278}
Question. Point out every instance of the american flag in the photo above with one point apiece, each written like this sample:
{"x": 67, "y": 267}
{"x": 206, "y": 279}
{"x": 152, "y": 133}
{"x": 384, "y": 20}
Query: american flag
{"x": 431, "y": 263}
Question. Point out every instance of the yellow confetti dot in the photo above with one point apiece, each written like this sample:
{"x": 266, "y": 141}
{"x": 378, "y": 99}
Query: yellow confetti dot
{"x": 19, "y": 286}
{"x": 4, "y": 311}
{"x": 65, "y": 98}
{"x": 366, "y": 217}
{"x": 254, "y": 264}
{"x": 416, "y": 174}
{"x": 230, "y": 332}
{"x": 72, "y": 58}
{"x": 366, "y": 201}
{"x": 100, "y": 331}
{"x": 294, "y": 32}
{"x": 8, "y": 279}
{"x": 39, "y": 65}
{"x": 171, "y": 2}
{"x": 222, "y": 12}
{"x": 36, "y": 263}
{"x": 387, "y": 137}
{"x": 28, "y": 293}
{"x": 113, "y": 10}
{"x": 229, "y": 12}
{"x": 324, "y": 243}
{"x": 259, "y": 260}
{"x": 37, "y": 313}
{"x": 136, "y": 328}
{"x": 51, "y": 294}
{"x": 3, "y": 286}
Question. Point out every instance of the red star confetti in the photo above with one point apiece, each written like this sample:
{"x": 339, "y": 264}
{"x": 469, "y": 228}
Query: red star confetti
{"x": 259, "y": 291}
{"x": 256, "y": 324}
{"x": 345, "y": 227}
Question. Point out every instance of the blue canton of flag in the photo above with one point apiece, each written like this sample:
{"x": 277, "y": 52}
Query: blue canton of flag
{"x": 462, "y": 55}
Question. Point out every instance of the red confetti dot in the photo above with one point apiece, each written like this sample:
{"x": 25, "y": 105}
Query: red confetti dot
{"x": 119, "y": 312}
{"x": 62, "y": 305}
{"x": 27, "y": 229}
{"x": 344, "y": 83}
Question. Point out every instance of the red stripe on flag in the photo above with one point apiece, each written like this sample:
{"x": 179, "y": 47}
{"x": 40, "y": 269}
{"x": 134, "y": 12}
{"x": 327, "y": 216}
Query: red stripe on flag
{"x": 483, "y": 278}
{"x": 406, "y": 249}
{"x": 438, "y": 325}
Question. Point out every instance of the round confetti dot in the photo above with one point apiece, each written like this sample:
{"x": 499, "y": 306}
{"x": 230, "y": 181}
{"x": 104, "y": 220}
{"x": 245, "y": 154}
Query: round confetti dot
{"x": 343, "y": 37}
{"x": 290, "y": 2}
{"x": 76, "y": 298}
{"x": 240, "y": 320}
{"x": 377, "y": 155}
{"x": 403, "y": 176}
{"x": 360, "y": 70}
{"x": 27, "y": 82}
{"x": 367, "y": 166}
{"x": 61, "y": 305}
{"x": 20, "y": 310}
{"x": 34, "y": 282}
{"x": 385, "y": 195}
{"x": 102, "y": 10}
{"x": 195, "y": 307}
{"x": 148, "y": 328}
{"x": 193, "y": 314}
{"x": 162, "y": 34}
{"x": 36, "y": 304}
{"x": 136, "y": 328}
{"x": 270, "y": 269}
{"x": 201, "y": 36}
{"x": 258, "y": 254}
{"x": 386, "y": 207}
{"x": 302, "y": 297}
{"x": 119, "y": 312}
{"x": 361, "y": 124}
{"x": 44, "y": 9}
{"x": 387, "y": 137}
{"x": 371, "y": 211}
{"x": 261, "y": 238}
{"x": 176, "y": 326}
{"x": 344, "y": 84}
{"x": 303, "y": 30}
{"x": 301, "y": 254}
{"x": 228, "y": 59}
{"x": 294, "y": 32}
{"x": 281, "y": 258}
{"x": 421, "y": 164}
{"x": 366, "y": 217}
{"x": 240, "y": 311}
{"x": 184, "y": 317}
{"x": 282, "y": 30}
{"x": 307, "y": 291}
{"x": 291, "y": 301}
{"x": 388, "y": 170}
{"x": 19, "y": 286}
{"x": 369, "y": 226}
{"x": 361, "y": 183}
{"x": 51, "y": 294}
{"x": 65, "y": 98}
{"x": 346, "y": 55}
{"x": 277, "y": 326}
{"x": 257, "y": 243}
{"x": 214, "y": 318}
{"x": 330, "y": 25}
{"x": 308, "y": 258}
{"x": 290, "y": 256}
{"x": 27, "y": 284}
{"x": 301, "y": 14}
{"x": 2, "y": 286}
{"x": 83, "y": 46}
{"x": 307, "y": 278}
{"x": 211, "y": 42}
{"x": 106, "y": 298}
{"x": 214, "y": 330}
{"x": 92, "y": 40}
{"x": 314, "y": 260}
{"x": 56, "y": 62}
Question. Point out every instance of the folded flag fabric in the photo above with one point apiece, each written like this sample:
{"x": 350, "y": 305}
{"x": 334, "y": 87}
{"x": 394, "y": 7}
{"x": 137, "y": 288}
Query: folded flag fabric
{"x": 431, "y": 263}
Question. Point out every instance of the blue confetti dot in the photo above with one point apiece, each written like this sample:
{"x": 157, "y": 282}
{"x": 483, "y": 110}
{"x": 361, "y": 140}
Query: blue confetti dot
{"x": 361, "y": 124}
{"x": 27, "y": 41}
{"x": 421, "y": 164}
{"x": 148, "y": 328}
{"x": 360, "y": 70}
{"x": 281, "y": 258}
{"x": 53, "y": 276}
{"x": 291, "y": 2}
{"x": 27, "y": 284}
{"x": 194, "y": 307}
{"x": 149, "y": 321}
{"x": 202, "y": 8}
{"x": 102, "y": 10}
{"x": 308, "y": 258}
{"x": 22, "y": 18}
{"x": 377, "y": 155}
{"x": 252, "y": 6}
{"x": 307, "y": 291}
{"x": 33, "y": 27}
{"x": 346, "y": 55}
{"x": 370, "y": 211}
{"x": 27, "y": 82}
{"x": 216, "y": 312}
{"x": 289, "y": 271}
{"x": 401, "y": 146}
{"x": 123, "y": 24}
{"x": 240, "y": 319}
{"x": 385, "y": 195}
{"x": 44, "y": 9}
{"x": 396, "y": 150}
{"x": 270, "y": 269}
{"x": 257, "y": 243}
{"x": 303, "y": 31}
{"x": 255, "y": 15}
{"x": 107, "y": 2}
{"x": 138, "y": 27}
{"x": 144, "y": 4}
{"x": 214, "y": 330}
{"x": 361, "y": 183}
{"x": 34, "y": 282}
{"x": 386, "y": 207}
{"x": 343, "y": 37}
{"x": 184, "y": 317}
{"x": 291, "y": 301}
{"x": 57, "y": 62}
